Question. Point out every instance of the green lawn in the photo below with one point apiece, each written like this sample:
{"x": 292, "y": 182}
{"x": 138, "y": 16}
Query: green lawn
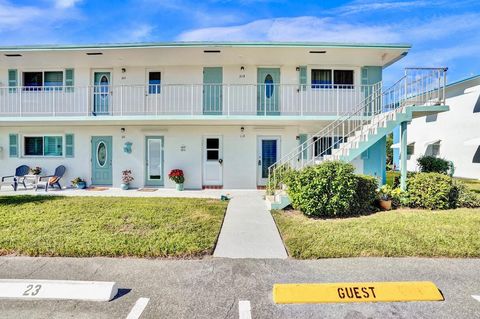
{"x": 473, "y": 184}
{"x": 405, "y": 232}
{"x": 109, "y": 226}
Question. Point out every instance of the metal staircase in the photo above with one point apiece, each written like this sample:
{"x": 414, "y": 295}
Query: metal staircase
{"x": 418, "y": 93}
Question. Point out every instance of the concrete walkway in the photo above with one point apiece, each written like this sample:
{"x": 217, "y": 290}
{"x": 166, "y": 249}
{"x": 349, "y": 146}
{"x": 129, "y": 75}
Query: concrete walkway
{"x": 248, "y": 230}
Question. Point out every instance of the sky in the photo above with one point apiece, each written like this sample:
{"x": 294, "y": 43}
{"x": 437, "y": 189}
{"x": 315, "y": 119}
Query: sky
{"x": 441, "y": 32}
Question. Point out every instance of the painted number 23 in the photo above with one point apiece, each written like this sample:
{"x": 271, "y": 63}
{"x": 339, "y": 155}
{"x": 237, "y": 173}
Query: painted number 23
{"x": 32, "y": 290}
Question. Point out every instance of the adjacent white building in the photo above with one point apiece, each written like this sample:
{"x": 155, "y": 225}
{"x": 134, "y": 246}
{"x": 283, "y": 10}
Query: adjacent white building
{"x": 453, "y": 135}
{"x": 221, "y": 112}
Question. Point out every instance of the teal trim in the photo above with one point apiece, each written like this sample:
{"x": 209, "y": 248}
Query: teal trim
{"x": 69, "y": 145}
{"x": 212, "y": 90}
{"x": 69, "y": 80}
{"x": 267, "y": 91}
{"x": 152, "y": 180}
{"x": 303, "y": 80}
{"x": 101, "y": 160}
{"x": 13, "y": 145}
{"x": 371, "y": 75}
{"x": 374, "y": 161}
{"x": 472, "y": 78}
{"x": 12, "y": 80}
{"x": 207, "y": 44}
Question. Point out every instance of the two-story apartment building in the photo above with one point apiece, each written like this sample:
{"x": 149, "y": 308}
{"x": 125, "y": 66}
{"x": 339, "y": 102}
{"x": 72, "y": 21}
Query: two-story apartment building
{"x": 221, "y": 112}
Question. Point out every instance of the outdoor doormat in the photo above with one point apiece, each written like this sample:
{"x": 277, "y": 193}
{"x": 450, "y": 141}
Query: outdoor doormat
{"x": 147, "y": 189}
{"x": 98, "y": 189}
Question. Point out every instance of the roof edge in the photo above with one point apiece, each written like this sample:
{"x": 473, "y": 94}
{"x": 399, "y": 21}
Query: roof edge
{"x": 47, "y": 47}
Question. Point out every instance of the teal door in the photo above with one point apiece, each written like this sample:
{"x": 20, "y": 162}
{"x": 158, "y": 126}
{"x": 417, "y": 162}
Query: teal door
{"x": 212, "y": 90}
{"x": 101, "y": 160}
{"x": 268, "y": 87}
{"x": 154, "y": 161}
{"x": 101, "y": 93}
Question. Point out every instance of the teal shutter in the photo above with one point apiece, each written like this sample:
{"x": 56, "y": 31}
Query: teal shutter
{"x": 302, "y": 139}
{"x": 303, "y": 78}
{"x": 12, "y": 80}
{"x": 69, "y": 145}
{"x": 13, "y": 145}
{"x": 69, "y": 79}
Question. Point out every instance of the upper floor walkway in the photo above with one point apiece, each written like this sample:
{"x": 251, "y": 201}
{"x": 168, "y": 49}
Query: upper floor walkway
{"x": 228, "y": 100}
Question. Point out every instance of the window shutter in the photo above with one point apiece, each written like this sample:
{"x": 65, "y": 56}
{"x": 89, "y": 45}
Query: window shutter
{"x": 303, "y": 77}
{"x": 12, "y": 80}
{"x": 69, "y": 145}
{"x": 69, "y": 79}
{"x": 13, "y": 145}
{"x": 303, "y": 139}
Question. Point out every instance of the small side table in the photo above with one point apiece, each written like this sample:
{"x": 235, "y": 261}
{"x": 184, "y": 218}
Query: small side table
{"x": 32, "y": 179}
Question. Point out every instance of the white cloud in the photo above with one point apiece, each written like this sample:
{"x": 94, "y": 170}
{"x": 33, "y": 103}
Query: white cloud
{"x": 305, "y": 28}
{"x": 64, "y": 4}
{"x": 12, "y": 17}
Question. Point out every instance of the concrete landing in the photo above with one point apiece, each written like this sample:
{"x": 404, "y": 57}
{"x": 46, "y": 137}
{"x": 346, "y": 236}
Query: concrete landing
{"x": 248, "y": 230}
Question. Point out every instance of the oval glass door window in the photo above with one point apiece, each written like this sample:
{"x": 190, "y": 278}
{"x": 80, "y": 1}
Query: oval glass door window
{"x": 104, "y": 85}
{"x": 101, "y": 154}
{"x": 268, "y": 86}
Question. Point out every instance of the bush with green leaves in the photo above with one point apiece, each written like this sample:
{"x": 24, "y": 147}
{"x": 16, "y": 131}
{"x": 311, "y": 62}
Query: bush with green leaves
{"x": 278, "y": 178}
{"x": 432, "y": 164}
{"x": 330, "y": 189}
{"x": 465, "y": 197}
{"x": 365, "y": 194}
{"x": 431, "y": 191}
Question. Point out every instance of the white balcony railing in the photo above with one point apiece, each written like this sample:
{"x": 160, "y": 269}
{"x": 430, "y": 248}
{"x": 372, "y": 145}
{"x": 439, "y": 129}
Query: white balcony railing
{"x": 191, "y": 99}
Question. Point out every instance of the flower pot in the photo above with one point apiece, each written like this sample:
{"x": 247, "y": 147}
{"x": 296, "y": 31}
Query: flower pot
{"x": 385, "y": 204}
{"x": 124, "y": 186}
{"x": 81, "y": 185}
{"x": 179, "y": 187}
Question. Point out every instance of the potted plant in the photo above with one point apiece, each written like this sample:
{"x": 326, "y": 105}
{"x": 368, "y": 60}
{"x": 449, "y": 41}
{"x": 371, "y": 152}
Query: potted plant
{"x": 79, "y": 183}
{"x": 385, "y": 197}
{"x": 177, "y": 176}
{"x": 127, "y": 178}
{"x": 35, "y": 170}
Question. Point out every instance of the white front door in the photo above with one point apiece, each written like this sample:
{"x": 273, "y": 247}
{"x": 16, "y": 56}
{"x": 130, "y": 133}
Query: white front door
{"x": 268, "y": 152}
{"x": 212, "y": 161}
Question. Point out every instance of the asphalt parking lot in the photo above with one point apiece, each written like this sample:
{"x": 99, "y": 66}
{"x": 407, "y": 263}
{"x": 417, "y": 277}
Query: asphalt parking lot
{"x": 212, "y": 288}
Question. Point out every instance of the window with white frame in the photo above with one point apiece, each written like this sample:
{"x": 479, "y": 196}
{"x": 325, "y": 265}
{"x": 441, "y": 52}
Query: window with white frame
{"x": 327, "y": 78}
{"x": 44, "y": 146}
{"x": 433, "y": 149}
{"x": 154, "y": 81}
{"x": 324, "y": 145}
{"x": 36, "y": 80}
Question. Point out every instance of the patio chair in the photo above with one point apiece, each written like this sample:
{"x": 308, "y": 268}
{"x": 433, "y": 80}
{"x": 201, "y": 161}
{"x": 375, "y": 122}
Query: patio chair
{"x": 51, "y": 180}
{"x": 19, "y": 177}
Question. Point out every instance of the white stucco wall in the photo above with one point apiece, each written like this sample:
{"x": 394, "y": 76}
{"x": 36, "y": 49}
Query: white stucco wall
{"x": 453, "y": 128}
{"x": 239, "y": 153}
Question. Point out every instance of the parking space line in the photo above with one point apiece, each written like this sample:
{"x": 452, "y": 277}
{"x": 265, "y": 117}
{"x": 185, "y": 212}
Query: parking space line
{"x": 138, "y": 308}
{"x": 244, "y": 309}
{"x": 476, "y": 297}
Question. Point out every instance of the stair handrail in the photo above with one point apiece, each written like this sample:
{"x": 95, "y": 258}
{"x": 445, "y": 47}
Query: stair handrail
{"x": 399, "y": 99}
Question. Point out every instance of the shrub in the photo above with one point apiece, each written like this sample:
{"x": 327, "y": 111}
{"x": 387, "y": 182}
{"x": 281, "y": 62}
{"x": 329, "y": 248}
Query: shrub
{"x": 278, "y": 178}
{"x": 432, "y": 164}
{"x": 431, "y": 191}
{"x": 465, "y": 197}
{"x": 365, "y": 194}
{"x": 327, "y": 190}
